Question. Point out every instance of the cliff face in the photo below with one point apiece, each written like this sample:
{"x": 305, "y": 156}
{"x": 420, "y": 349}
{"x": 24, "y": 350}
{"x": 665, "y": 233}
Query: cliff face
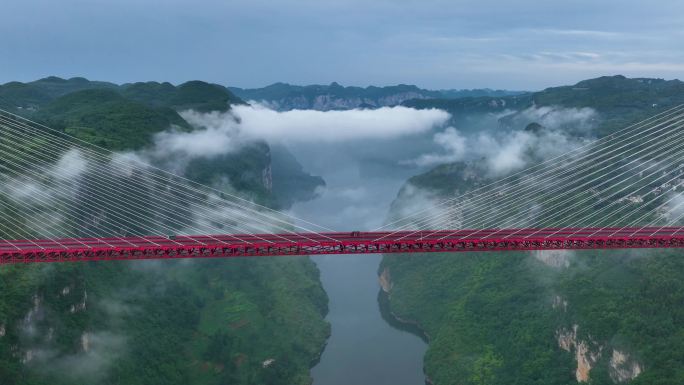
{"x": 385, "y": 280}
{"x": 623, "y": 367}
{"x": 289, "y": 181}
{"x": 327, "y": 102}
{"x": 587, "y": 353}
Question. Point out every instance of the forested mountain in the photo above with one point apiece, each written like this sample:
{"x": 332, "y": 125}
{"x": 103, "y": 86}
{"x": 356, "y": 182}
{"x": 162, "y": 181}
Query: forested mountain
{"x": 618, "y": 99}
{"x": 552, "y": 317}
{"x": 197, "y": 95}
{"x": 232, "y": 321}
{"x": 282, "y": 96}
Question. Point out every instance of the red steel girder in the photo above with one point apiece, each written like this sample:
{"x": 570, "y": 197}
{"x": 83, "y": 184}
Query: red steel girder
{"x": 227, "y": 246}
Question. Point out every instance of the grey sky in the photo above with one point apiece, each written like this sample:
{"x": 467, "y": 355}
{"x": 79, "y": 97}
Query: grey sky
{"x": 526, "y": 44}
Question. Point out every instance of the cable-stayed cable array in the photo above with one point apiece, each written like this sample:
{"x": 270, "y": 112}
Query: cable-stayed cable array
{"x": 56, "y": 186}
{"x": 631, "y": 177}
{"x": 65, "y": 199}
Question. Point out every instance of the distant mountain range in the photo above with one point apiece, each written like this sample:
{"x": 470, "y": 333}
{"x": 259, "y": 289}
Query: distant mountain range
{"x": 283, "y": 96}
{"x": 618, "y": 99}
{"x": 205, "y": 96}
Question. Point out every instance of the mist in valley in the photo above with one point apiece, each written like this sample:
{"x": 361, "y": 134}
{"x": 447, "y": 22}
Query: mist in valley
{"x": 365, "y": 157}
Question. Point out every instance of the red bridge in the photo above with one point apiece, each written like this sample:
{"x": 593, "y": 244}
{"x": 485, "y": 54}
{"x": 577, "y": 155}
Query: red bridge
{"x": 577, "y": 200}
{"x": 255, "y": 245}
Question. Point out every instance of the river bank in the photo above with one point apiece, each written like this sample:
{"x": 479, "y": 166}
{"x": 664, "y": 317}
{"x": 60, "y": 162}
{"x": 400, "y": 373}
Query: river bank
{"x": 363, "y": 348}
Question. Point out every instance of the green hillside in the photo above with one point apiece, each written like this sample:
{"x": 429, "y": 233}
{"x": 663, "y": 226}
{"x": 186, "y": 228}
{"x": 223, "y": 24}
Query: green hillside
{"x": 238, "y": 321}
{"x": 499, "y": 318}
{"x": 105, "y": 118}
{"x": 547, "y": 317}
{"x": 196, "y": 95}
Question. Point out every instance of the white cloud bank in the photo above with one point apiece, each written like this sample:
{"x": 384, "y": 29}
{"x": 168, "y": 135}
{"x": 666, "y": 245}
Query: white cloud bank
{"x": 330, "y": 126}
{"x": 208, "y": 142}
{"x": 258, "y": 122}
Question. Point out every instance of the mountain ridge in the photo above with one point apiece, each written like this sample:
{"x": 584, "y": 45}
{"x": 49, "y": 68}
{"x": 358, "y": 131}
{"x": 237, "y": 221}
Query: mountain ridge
{"x": 284, "y": 96}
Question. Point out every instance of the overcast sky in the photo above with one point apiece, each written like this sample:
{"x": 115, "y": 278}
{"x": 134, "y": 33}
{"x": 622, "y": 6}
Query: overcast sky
{"x": 526, "y": 44}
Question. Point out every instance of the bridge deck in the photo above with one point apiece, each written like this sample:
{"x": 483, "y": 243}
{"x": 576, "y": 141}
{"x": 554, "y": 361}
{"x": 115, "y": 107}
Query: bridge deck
{"x": 238, "y": 245}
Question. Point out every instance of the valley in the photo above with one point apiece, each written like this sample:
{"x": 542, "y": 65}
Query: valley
{"x": 601, "y": 317}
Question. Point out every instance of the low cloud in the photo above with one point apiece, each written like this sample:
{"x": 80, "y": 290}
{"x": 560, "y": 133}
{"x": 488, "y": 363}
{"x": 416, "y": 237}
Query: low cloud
{"x": 507, "y": 151}
{"x": 98, "y": 352}
{"x": 216, "y": 133}
{"x": 672, "y": 211}
{"x": 432, "y": 215}
{"x": 34, "y": 195}
{"x": 25, "y": 187}
{"x": 560, "y": 118}
{"x": 206, "y": 142}
{"x": 70, "y": 165}
{"x": 454, "y": 145}
{"x": 259, "y": 122}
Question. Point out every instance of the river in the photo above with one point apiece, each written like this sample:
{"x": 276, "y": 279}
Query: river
{"x": 363, "y": 348}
